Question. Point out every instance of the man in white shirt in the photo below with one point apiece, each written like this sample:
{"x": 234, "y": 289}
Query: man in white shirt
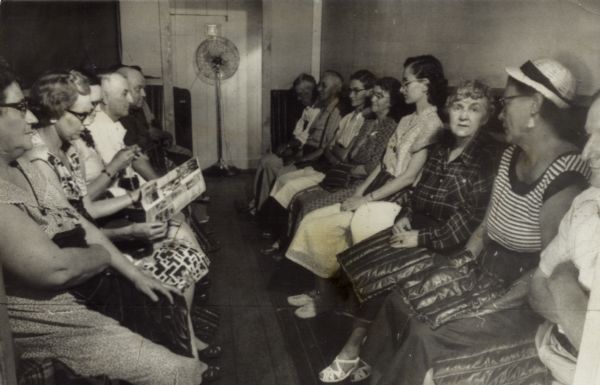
{"x": 108, "y": 132}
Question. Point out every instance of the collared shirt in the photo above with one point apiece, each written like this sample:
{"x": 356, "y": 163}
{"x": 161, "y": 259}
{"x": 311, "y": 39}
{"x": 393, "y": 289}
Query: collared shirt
{"x": 309, "y": 115}
{"x": 137, "y": 129}
{"x": 454, "y": 195}
{"x": 109, "y": 139}
{"x": 108, "y": 135}
{"x": 577, "y": 239}
{"x": 349, "y": 127}
{"x": 371, "y": 142}
{"x": 324, "y": 126}
{"x": 414, "y": 132}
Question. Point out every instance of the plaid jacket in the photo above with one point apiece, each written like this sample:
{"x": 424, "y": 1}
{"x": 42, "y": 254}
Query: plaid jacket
{"x": 454, "y": 194}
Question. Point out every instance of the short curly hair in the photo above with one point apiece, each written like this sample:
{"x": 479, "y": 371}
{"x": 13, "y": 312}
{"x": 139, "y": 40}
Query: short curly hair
{"x": 474, "y": 89}
{"x": 53, "y": 94}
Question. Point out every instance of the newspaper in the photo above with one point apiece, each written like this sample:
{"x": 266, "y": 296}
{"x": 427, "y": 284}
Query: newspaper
{"x": 164, "y": 197}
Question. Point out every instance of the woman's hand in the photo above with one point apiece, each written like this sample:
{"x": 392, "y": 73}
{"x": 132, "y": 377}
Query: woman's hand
{"x": 149, "y": 285}
{"x": 121, "y": 160}
{"x": 405, "y": 239}
{"x": 353, "y": 203}
{"x": 135, "y": 195}
{"x": 149, "y": 230}
{"x": 401, "y": 225}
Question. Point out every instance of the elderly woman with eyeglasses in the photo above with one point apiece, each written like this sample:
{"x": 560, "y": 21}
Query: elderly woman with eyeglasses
{"x": 477, "y": 296}
{"x": 46, "y": 319}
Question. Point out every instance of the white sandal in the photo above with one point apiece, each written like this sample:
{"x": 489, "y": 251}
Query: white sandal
{"x": 334, "y": 372}
{"x": 361, "y": 372}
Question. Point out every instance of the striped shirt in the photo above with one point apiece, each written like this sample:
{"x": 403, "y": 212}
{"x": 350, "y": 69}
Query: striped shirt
{"x": 514, "y": 218}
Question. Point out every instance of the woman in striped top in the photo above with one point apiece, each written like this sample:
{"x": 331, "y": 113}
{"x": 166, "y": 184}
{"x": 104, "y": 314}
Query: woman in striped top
{"x": 538, "y": 177}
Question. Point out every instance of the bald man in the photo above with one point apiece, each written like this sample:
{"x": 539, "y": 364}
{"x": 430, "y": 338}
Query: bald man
{"x": 107, "y": 130}
{"x": 140, "y": 128}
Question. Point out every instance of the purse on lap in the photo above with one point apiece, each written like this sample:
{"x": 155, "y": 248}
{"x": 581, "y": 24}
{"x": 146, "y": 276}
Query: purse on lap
{"x": 338, "y": 177}
{"x": 114, "y": 296}
{"x": 461, "y": 285}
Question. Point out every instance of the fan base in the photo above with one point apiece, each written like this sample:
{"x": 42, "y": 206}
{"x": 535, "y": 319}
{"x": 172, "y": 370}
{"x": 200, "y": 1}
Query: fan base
{"x": 220, "y": 169}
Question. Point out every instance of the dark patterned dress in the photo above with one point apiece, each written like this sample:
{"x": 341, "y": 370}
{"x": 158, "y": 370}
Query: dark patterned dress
{"x": 173, "y": 262}
{"x": 367, "y": 150}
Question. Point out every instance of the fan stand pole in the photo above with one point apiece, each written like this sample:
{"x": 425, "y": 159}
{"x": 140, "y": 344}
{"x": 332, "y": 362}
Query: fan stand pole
{"x": 220, "y": 168}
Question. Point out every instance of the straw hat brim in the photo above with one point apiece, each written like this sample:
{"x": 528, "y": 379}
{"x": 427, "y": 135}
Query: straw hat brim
{"x": 518, "y": 75}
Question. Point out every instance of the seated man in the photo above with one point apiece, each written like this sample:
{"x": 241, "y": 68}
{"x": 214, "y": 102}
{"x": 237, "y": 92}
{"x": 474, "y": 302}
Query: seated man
{"x": 141, "y": 130}
{"x": 108, "y": 132}
{"x": 309, "y": 141}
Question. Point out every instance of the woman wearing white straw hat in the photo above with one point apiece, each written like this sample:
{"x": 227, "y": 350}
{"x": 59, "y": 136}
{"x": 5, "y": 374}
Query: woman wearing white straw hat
{"x": 478, "y": 296}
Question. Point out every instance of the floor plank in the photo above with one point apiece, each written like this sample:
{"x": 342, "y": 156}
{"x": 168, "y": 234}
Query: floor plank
{"x": 255, "y": 351}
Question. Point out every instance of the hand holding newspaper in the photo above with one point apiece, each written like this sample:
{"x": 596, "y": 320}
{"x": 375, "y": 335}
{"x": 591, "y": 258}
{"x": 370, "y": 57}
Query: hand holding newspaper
{"x": 166, "y": 196}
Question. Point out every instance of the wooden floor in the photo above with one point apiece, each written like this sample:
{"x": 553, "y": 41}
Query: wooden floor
{"x": 264, "y": 343}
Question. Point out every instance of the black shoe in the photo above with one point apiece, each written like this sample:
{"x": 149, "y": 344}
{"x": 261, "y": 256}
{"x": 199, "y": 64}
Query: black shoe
{"x": 242, "y": 207}
{"x": 269, "y": 250}
{"x": 212, "y": 373}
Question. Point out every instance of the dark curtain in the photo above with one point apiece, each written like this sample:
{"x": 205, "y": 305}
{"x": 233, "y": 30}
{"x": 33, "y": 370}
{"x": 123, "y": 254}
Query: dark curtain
{"x": 39, "y": 36}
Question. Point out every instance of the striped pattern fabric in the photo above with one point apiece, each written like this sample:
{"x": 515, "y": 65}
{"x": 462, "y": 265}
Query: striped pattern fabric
{"x": 514, "y": 219}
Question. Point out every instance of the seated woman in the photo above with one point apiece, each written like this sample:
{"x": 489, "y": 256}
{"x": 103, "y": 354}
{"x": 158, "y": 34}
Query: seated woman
{"x": 287, "y": 185}
{"x": 305, "y": 90}
{"x": 458, "y": 174}
{"x": 559, "y": 291}
{"x": 538, "y": 177}
{"x": 46, "y": 320}
{"x": 62, "y": 102}
{"x": 324, "y": 233}
{"x": 341, "y": 181}
{"x": 273, "y": 213}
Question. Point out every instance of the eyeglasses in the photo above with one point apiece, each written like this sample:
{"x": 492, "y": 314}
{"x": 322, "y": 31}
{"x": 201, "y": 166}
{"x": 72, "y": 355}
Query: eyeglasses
{"x": 22, "y": 106}
{"x": 379, "y": 95}
{"x": 356, "y": 90}
{"x": 406, "y": 83}
{"x": 503, "y": 100}
{"x": 82, "y": 116}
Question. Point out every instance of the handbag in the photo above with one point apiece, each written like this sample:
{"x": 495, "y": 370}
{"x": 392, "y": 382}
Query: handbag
{"x": 374, "y": 268}
{"x": 460, "y": 285}
{"x": 338, "y": 177}
{"x": 161, "y": 322}
{"x": 116, "y": 297}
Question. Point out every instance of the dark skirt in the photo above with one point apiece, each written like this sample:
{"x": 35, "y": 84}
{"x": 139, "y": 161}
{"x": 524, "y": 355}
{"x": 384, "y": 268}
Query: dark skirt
{"x": 442, "y": 313}
{"x": 401, "y": 349}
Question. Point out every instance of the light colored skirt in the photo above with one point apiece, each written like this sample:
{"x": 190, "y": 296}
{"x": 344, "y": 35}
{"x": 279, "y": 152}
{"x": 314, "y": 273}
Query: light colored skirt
{"x": 288, "y": 185}
{"x": 92, "y": 344}
{"x": 327, "y": 231}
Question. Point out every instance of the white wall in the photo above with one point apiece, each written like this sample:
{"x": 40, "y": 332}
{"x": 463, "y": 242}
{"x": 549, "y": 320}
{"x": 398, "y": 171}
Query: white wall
{"x": 287, "y": 49}
{"x": 471, "y": 38}
{"x": 242, "y": 104}
{"x": 140, "y": 35}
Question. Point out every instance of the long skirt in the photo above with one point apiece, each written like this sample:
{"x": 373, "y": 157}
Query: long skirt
{"x": 328, "y": 231}
{"x": 288, "y": 185}
{"x": 540, "y": 359}
{"x": 269, "y": 168}
{"x": 59, "y": 326}
{"x": 401, "y": 349}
